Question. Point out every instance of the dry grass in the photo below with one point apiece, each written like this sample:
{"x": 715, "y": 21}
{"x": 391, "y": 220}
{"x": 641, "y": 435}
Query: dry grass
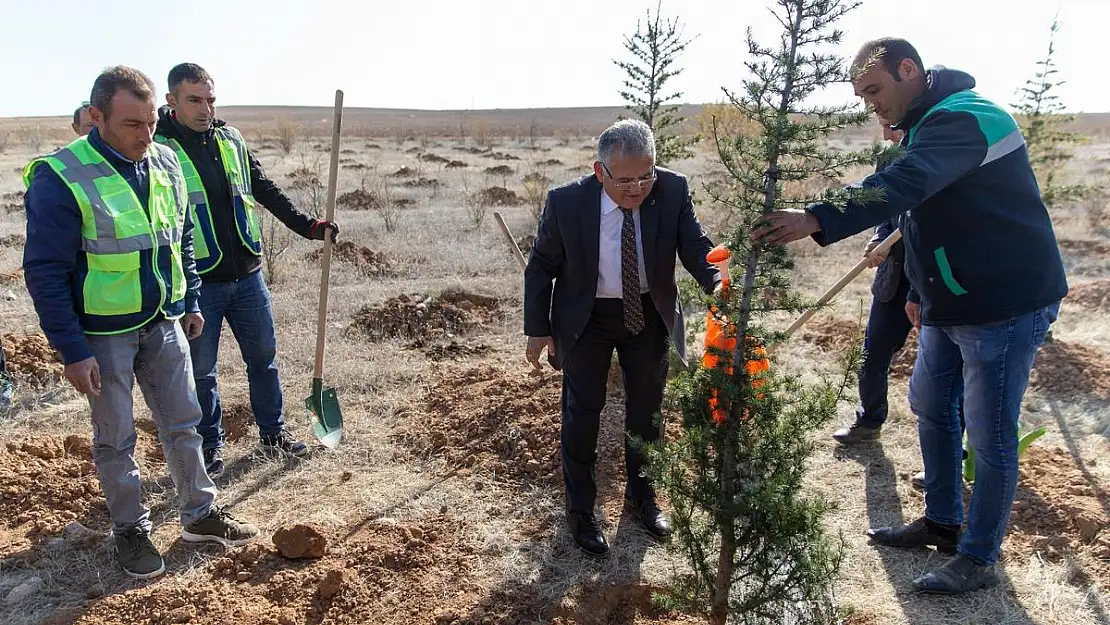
{"x": 525, "y": 559}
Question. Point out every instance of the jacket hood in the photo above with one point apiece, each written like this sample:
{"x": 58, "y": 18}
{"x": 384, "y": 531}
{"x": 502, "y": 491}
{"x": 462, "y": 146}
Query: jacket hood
{"x": 942, "y": 82}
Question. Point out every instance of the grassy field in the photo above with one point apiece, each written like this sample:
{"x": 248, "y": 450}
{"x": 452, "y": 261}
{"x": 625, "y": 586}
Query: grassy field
{"x": 443, "y": 504}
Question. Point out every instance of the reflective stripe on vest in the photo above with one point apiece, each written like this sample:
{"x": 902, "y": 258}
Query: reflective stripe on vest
{"x": 233, "y": 155}
{"x": 117, "y": 233}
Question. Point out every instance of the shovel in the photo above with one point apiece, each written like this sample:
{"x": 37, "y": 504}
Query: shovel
{"x": 844, "y": 281}
{"x": 323, "y": 405}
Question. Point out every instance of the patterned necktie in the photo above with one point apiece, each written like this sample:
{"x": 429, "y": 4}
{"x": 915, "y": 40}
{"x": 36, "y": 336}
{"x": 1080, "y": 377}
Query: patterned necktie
{"x": 630, "y": 276}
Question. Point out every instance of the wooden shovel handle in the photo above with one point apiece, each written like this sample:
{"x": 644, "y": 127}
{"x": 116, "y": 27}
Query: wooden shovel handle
{"x": 329, "y": 214}
{"x": 844, "y": 281}
{"x": 512, "y": 242}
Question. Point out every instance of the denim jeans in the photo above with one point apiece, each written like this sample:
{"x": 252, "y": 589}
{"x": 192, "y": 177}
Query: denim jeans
{"x": 158, "y": 356}
{"x": 990, "y": 364}
{"x": 887, "y": 329}
{"x": 245, "y": 304}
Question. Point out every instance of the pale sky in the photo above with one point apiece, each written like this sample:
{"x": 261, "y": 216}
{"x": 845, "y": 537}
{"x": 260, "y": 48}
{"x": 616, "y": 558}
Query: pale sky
{"x": 438, "y": 54}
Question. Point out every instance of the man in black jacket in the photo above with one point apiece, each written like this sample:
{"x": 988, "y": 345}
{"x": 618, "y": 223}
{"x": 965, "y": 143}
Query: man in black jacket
{"x": 225, "y": 183}
{"x": 888, "y": 325}
{"x": 601, "y": 276}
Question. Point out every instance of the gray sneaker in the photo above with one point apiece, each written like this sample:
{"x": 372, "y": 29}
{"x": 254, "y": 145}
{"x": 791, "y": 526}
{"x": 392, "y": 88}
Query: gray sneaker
{"x": 138, "y": 556}
{"x": 219, "y": 527}
{"x": 956, "y": 576}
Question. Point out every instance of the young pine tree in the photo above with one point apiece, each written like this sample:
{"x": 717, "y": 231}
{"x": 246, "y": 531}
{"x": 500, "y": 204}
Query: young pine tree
{"x": 1041, "y": 113}
{"x": 655, "y": 47}
{"x": 754, "y": 542}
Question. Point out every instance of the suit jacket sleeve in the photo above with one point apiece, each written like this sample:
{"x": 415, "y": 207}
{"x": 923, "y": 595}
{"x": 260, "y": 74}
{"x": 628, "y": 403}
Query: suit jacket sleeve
{"x": 544, "y": 263}
{"x": 694, "y": 244}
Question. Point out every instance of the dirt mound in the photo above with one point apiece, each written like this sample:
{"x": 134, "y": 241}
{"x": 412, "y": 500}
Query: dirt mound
{"x": 422, "y": 183}
{"x": 358, "y": 200}
{"x": 499, "y": 196}
{"x": 13, "y": 240}
{"x": 425, "y": 316}
{"x": 404, "y": 172}
{"x": 500, "y": 170}
{"x": 238, "y": 420}
{"x": 537, "y": 179}
{"x": 1063, "y": 368}
{"x": 1060, "y": 511}
{"x": 30, "y": 357}
{"x": 387, "y": 574}
{"x": 470, "y": 149}
{"x": 353, "y": 164}
{"x": 456, "y": 165}
{"x": 836, "y": 335}
{"x": 1094, "y": 295}
{"x": 301, "y": 541}
{"x": 551, "y": 162}
{"x": 1082, "y": 247}
{"x": 12, "y": 277}
{"x": 46, "y": 483}
{"x": 504, "y": 423}
{"x": 367, "y": 261}
{"x": 434, "y": 158}
{"x": 501, "y": 156}
{"x": 452, "y": 350}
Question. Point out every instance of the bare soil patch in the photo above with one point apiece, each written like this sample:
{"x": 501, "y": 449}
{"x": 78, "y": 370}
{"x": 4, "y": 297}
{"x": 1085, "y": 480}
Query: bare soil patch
{"x": 1094, "y": 295}
{"x": 47, "y": 483}
{"x": 388, "y": 573}
{"x": 1064, "y": 368}
{"x": 30, "y": 357}
{"x": 365, "y": 260}
{"x": 453, "y": 312}
{"x": 499, "y": 196}
{"x": 503, "y": 423}
{"x": 1061, "y": 512}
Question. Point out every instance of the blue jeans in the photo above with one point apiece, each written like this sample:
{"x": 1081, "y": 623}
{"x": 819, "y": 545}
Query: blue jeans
{"x": 990, "y": 365}
{"x": 245, "y": 304}
{"x": 887, "y": 329}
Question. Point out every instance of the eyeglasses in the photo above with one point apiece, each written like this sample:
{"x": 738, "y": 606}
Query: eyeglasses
{"x": 626, "y": 185}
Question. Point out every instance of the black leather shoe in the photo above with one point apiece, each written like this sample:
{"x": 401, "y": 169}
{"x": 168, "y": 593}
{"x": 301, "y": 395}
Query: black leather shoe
{"x": 652, "y": 517}
{"x": 587, "y": 533}
{"x": 920, "y": 533}
{"x": 957, "y": 576}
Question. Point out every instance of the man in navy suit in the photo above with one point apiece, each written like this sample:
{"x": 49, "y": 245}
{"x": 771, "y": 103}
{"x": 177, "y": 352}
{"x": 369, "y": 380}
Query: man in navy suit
{"x": 601, "y": 276}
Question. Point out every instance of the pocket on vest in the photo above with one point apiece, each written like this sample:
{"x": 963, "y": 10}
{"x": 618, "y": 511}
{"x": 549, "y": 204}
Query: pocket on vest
{"x": 113, "y": 286}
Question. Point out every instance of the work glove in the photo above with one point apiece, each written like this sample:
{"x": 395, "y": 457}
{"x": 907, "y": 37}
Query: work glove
{"x": 320, "y": 227}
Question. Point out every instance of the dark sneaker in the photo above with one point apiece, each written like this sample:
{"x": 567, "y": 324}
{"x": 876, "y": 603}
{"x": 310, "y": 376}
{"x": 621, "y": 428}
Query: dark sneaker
{"x": 219, "y": 527}
{"x": 213, "y": 462}
{"x": 958, "y": 575}
{"x": 138, "y": 556}
{"x": 283, "y": 441}
{"x": 920, "y": 533}
{"x": 856, "y": 433}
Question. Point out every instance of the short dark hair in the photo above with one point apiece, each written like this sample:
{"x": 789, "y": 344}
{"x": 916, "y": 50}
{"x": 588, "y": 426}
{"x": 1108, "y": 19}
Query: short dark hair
{"x": 187, "y": 71}
{"x": 119, "y": 77}
{"x": 77, "y": 113}
{"x": 890, "y": 51}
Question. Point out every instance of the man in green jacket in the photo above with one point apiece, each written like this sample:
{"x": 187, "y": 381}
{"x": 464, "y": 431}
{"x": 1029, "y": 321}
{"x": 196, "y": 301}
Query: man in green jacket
{"x": 109, "y": 266}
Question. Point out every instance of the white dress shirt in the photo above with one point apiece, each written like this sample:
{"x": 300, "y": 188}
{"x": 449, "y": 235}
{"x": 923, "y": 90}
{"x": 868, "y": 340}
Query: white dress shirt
{"x": 609, "y": 250}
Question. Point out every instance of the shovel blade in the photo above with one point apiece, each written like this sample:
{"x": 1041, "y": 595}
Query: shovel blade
{"x": 324, "y": 414}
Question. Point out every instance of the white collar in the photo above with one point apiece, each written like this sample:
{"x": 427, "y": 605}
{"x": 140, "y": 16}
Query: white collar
{"x": 608, "y": 205}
